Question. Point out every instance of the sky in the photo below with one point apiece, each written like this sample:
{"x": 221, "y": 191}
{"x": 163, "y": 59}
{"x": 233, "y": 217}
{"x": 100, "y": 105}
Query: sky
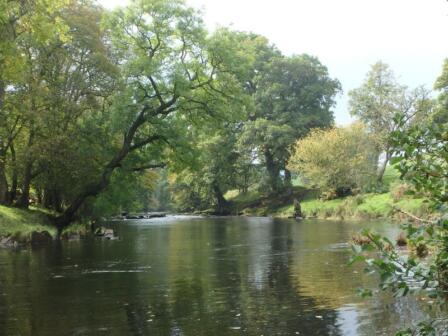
{"x": 347, "y": 36}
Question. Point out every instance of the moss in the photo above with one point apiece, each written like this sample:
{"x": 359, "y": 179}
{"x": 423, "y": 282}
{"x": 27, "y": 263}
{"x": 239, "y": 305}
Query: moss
{"x": 21, "y": 223}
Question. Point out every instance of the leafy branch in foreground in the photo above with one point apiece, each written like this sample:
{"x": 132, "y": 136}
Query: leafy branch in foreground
{"x": 421, "y": 156}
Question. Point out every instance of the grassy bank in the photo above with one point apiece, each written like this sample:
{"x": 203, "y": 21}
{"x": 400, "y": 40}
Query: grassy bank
{"x": 21, "y": 222}
{"x": 365, "y": 206}
{"x": 253, "y": 203}
{"x": 384, "y": 204}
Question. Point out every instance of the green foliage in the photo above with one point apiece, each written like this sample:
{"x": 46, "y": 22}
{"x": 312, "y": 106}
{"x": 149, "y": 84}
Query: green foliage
{"x": 304, "y": 95}
{"x": 379, "y": 100}
{"x": 421, "y": 157}
{"x": 441, "y": 112}
{"x": 127, "y": 192}
{"x": 14, "y": 220}
{"x": 335, "y": 160}
{"x": 363, "y": 206}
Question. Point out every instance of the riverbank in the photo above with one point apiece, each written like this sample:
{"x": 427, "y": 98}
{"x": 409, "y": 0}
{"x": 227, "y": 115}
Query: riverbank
{"x": 393, "y": 197}
{"x": 362, "y": 206}
{"x": 20, "y": 226}
{"x": 14, "y": 221}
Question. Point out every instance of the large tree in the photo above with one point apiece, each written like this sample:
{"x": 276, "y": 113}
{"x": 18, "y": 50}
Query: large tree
{"x": 20, "y": 21}
{"x": 441, "y": 111}
{"x": 379, "y": 100}
{"x": 65, "y": 83}
{"x": 293, "y": 95}
{"x": 170, "y": 74}
{"x": 220, "y": 164}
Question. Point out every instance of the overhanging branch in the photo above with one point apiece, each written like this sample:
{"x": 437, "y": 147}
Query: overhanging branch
{"x": 149, "y": 166}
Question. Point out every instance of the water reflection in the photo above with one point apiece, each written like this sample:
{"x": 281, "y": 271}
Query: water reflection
{"x": 223, "y": 276}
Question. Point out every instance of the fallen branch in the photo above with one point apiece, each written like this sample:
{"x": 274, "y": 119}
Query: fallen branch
{"x": 414, "y": 217}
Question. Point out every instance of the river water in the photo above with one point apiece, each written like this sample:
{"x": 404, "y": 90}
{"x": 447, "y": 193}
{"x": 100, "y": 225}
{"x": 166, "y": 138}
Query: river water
{"x": 199, "y": 276}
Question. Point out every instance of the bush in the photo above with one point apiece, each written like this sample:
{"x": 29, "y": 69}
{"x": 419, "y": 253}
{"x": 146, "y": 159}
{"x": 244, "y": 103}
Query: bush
{"x": 375, "y": 187}
{"x": 337, "y": 160}
{"x": 328, "y": 195}
{"x": 399, "y": 190}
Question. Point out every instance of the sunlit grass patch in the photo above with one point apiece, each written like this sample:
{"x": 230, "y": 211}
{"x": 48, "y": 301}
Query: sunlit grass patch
{"x": 13, "y": 221}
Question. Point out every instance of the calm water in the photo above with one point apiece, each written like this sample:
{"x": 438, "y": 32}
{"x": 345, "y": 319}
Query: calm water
{"x": 186, "y": 276}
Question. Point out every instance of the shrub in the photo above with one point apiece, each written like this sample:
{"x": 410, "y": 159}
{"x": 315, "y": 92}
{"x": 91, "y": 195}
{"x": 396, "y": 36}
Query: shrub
{"x": 337, "y": 160}
{"x": 399, "y": 190}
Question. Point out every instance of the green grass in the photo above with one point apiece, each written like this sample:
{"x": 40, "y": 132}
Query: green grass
{"x": 283, "y": 212}
{"x": 253, "y": 203}
{"x": 391, "y": 175}
{"x": 23, "y": 222}
{"x": 319, "y": 208}
{"x": 363, "y": 206}
{"x": 378, "y": 205}
{"x": 245, "y": 198}
{"x": 76, "y": 229}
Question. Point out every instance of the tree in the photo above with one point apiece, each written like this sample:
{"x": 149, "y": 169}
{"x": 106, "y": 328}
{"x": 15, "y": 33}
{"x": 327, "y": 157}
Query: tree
{"x": 335, "y": 160}
{"x": 293, "y": 95}
{"x": 20, "y": 21}
{"x": 170, "y": 73}
{"x": 65, "y": 81}
{"x": 220, "y": 164}
{"x": 441, "y": 111}
{"x": 420, "y": 154}
{"x": 378, "y": 100}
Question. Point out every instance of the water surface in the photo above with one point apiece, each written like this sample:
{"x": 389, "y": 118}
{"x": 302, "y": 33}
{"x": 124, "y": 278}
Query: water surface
{"x": 196, "y": 276}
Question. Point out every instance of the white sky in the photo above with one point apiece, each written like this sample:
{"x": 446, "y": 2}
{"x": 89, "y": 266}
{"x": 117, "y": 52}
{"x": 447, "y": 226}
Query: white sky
{"x": 346, "y": 35}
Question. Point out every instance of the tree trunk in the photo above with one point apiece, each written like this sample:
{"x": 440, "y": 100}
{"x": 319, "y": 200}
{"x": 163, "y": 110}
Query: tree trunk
{"x": 2, "y": 93}
{"x": 288, "y": 181}
{"x": 68, "y": 216}
{"x": 273, "y": 172}
{"x": 46, "y": 198}
{"x": 40, "y": 198}
{"x": 382, "y": 168}
{"x": 24, "y": 199}
{"x": 14, "y": 182}
{"x": 56, "y": 200}
{"x": 221, "y": 203}
{"x": 94, "y": 189}
{"x": 4, "y": 193}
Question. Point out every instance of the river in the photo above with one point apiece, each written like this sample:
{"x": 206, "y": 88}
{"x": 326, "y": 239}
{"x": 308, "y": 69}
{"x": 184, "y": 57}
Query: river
{"x": 199, "y": 276}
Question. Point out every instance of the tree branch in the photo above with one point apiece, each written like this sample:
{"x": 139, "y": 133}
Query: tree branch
{"x": 149, "y": 166}
{"x": 146, "y": 141}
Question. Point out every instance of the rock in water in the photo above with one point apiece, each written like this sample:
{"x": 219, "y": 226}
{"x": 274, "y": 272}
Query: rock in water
{"x": 297, "y": 209}
{"x": 109, "y": 234}
{"x": 6, "y": 242}
{"x": 40, "y": 237}
{"x": 105, "y": 233}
